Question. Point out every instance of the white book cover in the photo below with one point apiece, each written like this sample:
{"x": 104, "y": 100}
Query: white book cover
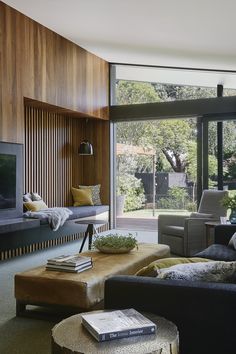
{"x": 117, "y": 324}
{"x": 70, "y": 260}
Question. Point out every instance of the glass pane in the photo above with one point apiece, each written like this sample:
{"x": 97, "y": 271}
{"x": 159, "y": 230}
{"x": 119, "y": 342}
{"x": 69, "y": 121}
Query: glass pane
{"x": 137, "y": 84}
{"x": 156, "y": 170}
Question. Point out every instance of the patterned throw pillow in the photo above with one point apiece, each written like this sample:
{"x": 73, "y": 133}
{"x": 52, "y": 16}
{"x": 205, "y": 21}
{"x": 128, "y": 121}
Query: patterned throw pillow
{"x": 27, "y": 197}
{"x": 95, "y": 193}
{"x": 216, "y": 271}
{"x": 35, "y": 196}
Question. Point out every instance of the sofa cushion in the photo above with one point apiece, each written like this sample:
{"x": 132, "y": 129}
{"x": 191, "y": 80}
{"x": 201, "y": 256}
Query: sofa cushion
{"x": 216, "y": 271}
{"x": 152, "y": 269}
{"x": 218, "y": 252}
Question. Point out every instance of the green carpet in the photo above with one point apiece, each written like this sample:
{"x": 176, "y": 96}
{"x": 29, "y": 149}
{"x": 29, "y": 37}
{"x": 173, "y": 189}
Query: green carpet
{"x": 20, "y": 335}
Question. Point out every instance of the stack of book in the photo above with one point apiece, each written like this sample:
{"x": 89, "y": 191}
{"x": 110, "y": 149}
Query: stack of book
{"x": 70, "y": 263}
{"x": 117, "y": 324}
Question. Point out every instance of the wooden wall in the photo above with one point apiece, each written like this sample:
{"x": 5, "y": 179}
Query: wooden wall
{"x": 52, "y": 162}
{"x": 39, "y": 64}
{"x": 60, "y": 84}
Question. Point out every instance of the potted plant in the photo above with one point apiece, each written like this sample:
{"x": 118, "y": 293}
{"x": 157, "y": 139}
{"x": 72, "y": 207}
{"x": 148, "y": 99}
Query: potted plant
{"x": 229, "y": 202}
{"x": 115, "y": 243}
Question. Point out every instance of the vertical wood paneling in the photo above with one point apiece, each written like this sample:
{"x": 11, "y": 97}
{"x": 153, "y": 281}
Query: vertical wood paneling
{"x": 37, "y": 63}
{"x": 52, "y": 163}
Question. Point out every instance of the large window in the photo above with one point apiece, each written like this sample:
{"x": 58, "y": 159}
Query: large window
{"x": 166, "y": 153}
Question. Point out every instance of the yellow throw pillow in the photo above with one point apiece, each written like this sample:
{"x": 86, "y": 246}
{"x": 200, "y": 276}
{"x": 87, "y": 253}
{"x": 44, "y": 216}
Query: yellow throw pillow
{"x": 82, "y": 196}
{"x": 152, "y": 269}
{"x": 35, "y": 205}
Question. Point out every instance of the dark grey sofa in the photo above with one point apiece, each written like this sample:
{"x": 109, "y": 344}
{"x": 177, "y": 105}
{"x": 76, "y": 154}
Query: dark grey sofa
{"x": 204, "y": 312}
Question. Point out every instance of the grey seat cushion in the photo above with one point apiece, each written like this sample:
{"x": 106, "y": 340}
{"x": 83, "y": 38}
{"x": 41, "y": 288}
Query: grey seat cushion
{"x": 218, "y": 252}
{"x": 84, "y": 211}
{"x": 173, "y": 230}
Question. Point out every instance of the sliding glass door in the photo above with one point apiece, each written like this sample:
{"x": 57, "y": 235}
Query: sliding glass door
{"x": 219, "y": 154}
{"x": 156, "y": 171}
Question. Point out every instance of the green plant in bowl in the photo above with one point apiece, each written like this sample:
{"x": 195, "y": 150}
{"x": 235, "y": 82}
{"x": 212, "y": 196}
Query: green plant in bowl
{"x": 115, "y": 243}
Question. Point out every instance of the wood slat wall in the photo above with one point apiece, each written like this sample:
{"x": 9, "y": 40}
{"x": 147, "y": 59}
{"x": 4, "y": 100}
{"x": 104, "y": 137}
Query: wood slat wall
{"x": 52, "y": 163}
{"x": 39, "y": 64}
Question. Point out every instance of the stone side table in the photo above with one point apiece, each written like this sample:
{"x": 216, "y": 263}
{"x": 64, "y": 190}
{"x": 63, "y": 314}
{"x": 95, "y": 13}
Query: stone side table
{"x": 69, "y": 336}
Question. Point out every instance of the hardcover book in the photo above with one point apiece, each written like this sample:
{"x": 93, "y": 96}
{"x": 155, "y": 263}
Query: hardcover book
{"x": 77, "y": 269}
{"x": 117, "y": 324}
{"x": 70, "y": 260}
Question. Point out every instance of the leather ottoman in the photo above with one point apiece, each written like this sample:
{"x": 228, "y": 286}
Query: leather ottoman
{"x": 81, "y": 291}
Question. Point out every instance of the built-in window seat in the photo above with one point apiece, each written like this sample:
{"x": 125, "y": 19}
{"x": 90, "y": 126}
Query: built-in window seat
{"x": 17, "y": 241}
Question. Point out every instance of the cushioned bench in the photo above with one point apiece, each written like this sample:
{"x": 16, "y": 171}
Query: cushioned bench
{"x": 24, "y": 241}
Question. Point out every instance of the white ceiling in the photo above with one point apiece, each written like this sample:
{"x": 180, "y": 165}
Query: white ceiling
{"x": 185, "y": 33}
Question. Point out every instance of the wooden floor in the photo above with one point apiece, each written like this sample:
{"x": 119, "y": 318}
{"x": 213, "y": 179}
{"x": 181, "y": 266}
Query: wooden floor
{"x": 149, "y": 224}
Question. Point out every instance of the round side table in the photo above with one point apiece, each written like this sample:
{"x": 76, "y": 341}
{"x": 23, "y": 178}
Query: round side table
{"x": 69, "y": 336}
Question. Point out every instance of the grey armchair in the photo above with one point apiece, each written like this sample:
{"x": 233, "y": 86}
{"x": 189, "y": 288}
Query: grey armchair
{"x": 186, "y": 235}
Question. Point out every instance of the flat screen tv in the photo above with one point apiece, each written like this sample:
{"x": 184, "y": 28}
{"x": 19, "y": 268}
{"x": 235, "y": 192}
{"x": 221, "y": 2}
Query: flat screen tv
{"x": 11, "y": 180}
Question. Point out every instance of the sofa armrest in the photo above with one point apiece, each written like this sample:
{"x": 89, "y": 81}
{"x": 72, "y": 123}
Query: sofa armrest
{"x": 223, "y": 233}
{"x": 173, "y": 299}
{"x": 203, "y": 312}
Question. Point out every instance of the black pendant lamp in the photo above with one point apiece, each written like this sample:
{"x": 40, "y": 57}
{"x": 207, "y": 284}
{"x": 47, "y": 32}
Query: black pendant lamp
{"x": 85, "y": 148}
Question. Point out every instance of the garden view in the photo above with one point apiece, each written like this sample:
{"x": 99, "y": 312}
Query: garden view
{"x": 174, "y": 144}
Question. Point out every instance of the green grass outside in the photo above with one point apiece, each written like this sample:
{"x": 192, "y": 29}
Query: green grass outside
{"x": 148, "y": 213}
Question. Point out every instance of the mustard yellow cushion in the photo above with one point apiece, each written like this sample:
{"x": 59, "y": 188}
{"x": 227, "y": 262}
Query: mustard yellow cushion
{"x": 152, "y": 268}
{"x": 82, "y": 196}
{"x": 35, "y": 205}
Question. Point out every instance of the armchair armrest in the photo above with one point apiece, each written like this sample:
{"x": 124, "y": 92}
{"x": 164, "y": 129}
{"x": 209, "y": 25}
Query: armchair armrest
{"x": 195, "y": 235}
{"x": 171, "y": 219}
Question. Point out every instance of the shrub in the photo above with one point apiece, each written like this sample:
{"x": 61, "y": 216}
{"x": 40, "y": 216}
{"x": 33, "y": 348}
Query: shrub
{"x": 132, "y": 188}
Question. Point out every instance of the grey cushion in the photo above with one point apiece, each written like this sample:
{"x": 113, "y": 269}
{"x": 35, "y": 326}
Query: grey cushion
{"x": 84, "y": 211}
{"x": 218, "y": 252}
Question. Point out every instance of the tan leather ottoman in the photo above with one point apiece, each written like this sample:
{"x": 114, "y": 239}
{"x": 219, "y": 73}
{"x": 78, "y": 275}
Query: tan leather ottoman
{"x": 81, "y": 291}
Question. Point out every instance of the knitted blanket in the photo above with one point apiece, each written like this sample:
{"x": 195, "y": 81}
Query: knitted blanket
{"x": 56, "y": 216}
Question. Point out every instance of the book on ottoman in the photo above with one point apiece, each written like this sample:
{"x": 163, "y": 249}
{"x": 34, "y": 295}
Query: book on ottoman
{"x": 71, "y": 263}
{"x": 117, "y": 324}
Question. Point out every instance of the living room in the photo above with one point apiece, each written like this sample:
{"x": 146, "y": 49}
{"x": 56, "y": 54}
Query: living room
{"x": 61, "y": 85}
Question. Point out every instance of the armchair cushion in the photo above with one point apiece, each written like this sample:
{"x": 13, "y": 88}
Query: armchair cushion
{"x": 201, "y": 215}
{"x": 218, "y": 252}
